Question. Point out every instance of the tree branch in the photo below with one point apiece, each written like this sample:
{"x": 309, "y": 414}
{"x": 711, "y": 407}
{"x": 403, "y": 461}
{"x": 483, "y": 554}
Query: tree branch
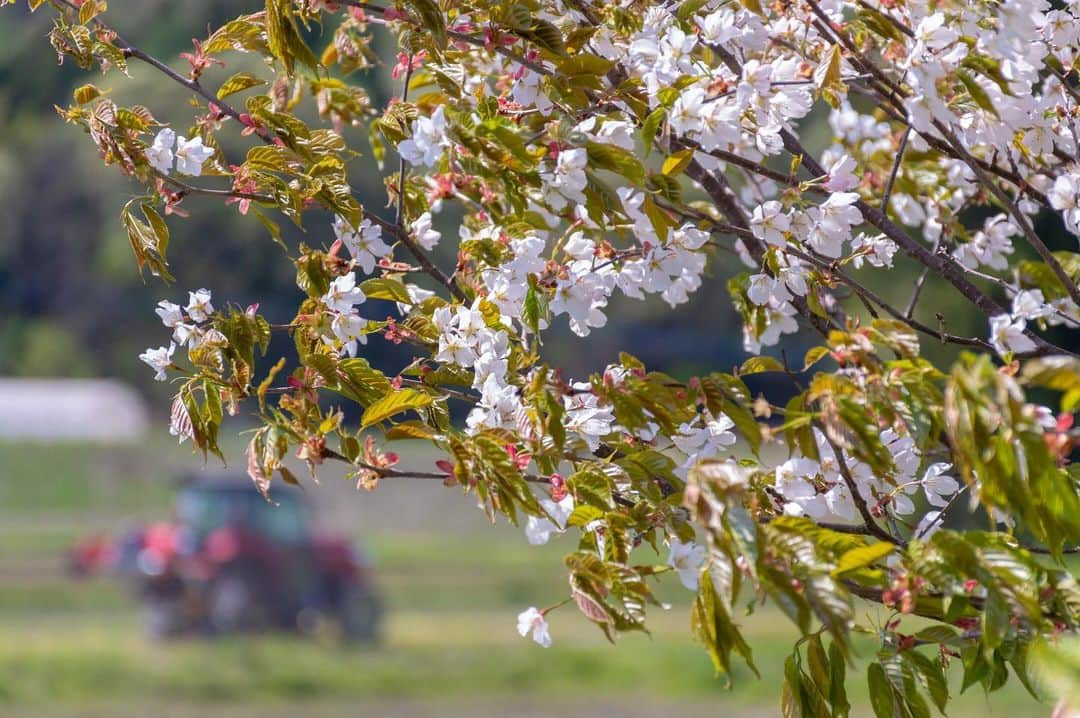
{"x": 186, "y": 188}
{"x": 1010, "y": 207}
{"x": 942, "y": 265}
{"x": 870, "y": 296}
{"x": 466, "y": 38}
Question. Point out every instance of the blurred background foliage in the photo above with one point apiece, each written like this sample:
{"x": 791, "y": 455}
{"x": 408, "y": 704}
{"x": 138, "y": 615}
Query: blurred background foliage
{"x": 74, "y": 304}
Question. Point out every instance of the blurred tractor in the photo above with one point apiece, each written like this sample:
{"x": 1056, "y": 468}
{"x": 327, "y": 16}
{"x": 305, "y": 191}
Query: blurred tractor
{"x": 231, "y": 561}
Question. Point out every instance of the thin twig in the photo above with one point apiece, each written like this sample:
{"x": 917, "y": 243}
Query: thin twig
{"x": 385, "y": 472}
{"x": 895, "y": 170}
{"x": 872, "y": 526}
{"x": 941, "y": 514}
{"x": 400, "y": 214}
{"x": 186, "y": 188}
{"x": 909, "y": 310}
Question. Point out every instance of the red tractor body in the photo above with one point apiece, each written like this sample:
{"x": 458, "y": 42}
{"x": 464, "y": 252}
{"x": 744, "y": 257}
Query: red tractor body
{"x": 232, "y": 561}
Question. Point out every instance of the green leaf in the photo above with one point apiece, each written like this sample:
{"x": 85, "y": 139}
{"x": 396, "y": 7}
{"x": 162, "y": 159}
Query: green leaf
{"x": 86, "y": 93}
{"x": 688, "y": 8}
{"x": 583, "y": 515}
{"x": 616, "y": 159}
{"x": 660, "y": 221}
{"x": 837, "y": 680}
{"x": 999, "y": 450}
{"x": 978, "y": 94}
{"x": 391, "y": 290}
{"x": 989, "y": 67}
{"x": 743, "y": 531}
{"x": 933, "y": 677}
{"x": 676, "y": 162}
{"x": 996, "y": 617}
{"x": 535, "y": 307}
{"x": 976, "y": 667}
{"x": 354, "y": 378}
{"x": 818, "y": 663}
{"x": 881, "y": 693}
{"x": 591, "y": 486}
{"x": 879, "y": 23}
{"x": 237, "y": 83}
{"x": 87, "y": 11}
{"x": 827, "y": 77}
{"x": 813, "y": 356}
{"x": 283, "y": 36}
{"x": 545, "y": 35}
{"x": 272, "y": 227}
{"x": 1056, "y": 667}
{"x": 393, "y": 404}
{"x": 311, "y": 273}
{"x": 760, "y": 364}
{"x": 712, "y": 625}
{"x": 432, "y": 19}
{"x": 157, "y": 224}
{"x": 242, "y": 35}
{"x": 862, "y": 557}
{"x": 149, "y": 240}
{"x": 938, "y": 633}
{"x": 409, "y": 430}
{"x": 650, "y": 127}
{"x": 583, "y": 64}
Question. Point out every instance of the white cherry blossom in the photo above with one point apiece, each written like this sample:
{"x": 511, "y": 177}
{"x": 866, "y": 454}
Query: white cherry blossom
{"x": 532, "y": 620}
{"x": 343, "y": 294}
{"x": 170, "y": 313}
{"x": 365, "y": 243}
{"x": 841, "y": 177}
{"x": 422, "y": 231}
{"x": 191, "y": 155}
{"x": 687, "y": 560}
{"x": 160, "y": 153}
{"x": 1007, "y": 335}
{"x": 159, "y": 360}
{"x": 538, "y": 529}
{"x": 939, "y": 487}
{"x": 768, "y": 222}
{"x": 428, "y": 140}
{"x": 199, "y": 307}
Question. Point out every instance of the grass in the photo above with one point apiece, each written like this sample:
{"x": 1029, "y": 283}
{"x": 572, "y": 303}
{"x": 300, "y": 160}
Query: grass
{"x": 75, "y": 648}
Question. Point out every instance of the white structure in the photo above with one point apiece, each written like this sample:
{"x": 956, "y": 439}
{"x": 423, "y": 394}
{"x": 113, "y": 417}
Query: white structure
{"x": 70, "y": 409}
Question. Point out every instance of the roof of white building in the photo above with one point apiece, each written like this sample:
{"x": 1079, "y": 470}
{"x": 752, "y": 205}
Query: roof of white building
{"x": 70, "y": 409}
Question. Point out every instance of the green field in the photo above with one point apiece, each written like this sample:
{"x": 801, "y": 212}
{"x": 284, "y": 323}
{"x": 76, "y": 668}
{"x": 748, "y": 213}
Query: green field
{"x": 452, "y": 583}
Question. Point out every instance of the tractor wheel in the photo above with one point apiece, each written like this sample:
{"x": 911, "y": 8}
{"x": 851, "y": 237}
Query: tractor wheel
{"x": 163, "y": 616}
{"x": 237, "y": 603}
{"x": 361, "y": 616}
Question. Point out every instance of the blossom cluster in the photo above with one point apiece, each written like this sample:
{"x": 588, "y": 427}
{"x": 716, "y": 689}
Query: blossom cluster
{"x": 189, "y": 325}
{"x": 347, "y": 327}
{"x": 188, "y": 154}
{"x": 817, "y": 487}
